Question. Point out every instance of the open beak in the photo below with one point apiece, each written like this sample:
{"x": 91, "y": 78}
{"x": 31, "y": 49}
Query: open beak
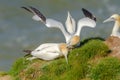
{"x": 108, "y": 20}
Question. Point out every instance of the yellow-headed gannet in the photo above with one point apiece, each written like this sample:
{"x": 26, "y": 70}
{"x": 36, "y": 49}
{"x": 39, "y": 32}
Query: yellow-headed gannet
{"x": 116, "y": 18}
{"x": 49, "y": 51}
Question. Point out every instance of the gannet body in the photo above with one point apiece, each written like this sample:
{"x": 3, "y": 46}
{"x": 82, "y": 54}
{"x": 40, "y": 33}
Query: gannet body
{"x": 50, "y": 51}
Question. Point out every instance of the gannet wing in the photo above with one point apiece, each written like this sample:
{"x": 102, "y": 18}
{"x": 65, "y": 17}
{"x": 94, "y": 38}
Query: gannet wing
{"x": 86, "y": 22}
{"x": 46, "y": 55}
{"x": 70, "y": 24}
{"x": 46, "y": 49}
{"x": 38, "y": 16}
{"x": 88, "y": 14}
{"x": 45, "y": 45}
{"x": 50, "y": 23}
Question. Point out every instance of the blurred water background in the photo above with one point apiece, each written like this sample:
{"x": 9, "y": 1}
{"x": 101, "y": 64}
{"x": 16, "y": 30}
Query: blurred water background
{"x": 18, "y": 31}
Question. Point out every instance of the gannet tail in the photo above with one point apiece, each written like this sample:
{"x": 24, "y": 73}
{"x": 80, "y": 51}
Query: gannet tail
{"x": 27, "y": 51}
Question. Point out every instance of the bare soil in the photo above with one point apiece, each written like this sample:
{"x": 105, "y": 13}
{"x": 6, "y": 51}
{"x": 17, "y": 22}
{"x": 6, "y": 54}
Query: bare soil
{"x": 114, "y": 44}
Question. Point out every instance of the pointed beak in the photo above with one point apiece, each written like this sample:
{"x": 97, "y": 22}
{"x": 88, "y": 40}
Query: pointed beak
{"x": 108, "y": 20}
{"x": 66, "y": 58}
{"x": 69, "y": 14}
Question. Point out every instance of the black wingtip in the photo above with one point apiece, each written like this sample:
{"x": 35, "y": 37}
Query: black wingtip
{"x": 26, "y": 9}
{"x": 88, "y": 14}
{"x": 37, "y": 12}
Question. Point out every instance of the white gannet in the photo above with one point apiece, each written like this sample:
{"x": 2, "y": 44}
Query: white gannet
{"x": 88, "y": 21}
{"x": 49, "y": 51}
{"x": 116, "y": 18}
{"x": 75, "y": 39}
{"x": 72, "y": 35}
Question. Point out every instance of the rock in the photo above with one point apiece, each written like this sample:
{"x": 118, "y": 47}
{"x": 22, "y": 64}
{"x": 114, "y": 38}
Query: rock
{"x": 114, "y": 44}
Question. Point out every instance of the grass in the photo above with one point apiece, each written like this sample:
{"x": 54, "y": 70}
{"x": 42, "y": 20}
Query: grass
{"x": 3, "y": 74}
{"x": 107, "y": 69}
{"x": 87, "y": 62}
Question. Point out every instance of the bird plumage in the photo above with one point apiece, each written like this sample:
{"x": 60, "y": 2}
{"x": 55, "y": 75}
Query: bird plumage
{"x": 89, "y": 21}
{"x": 70, "y": 24}
{"x": 116, "y": 18}
{"x": 50, "y": 51}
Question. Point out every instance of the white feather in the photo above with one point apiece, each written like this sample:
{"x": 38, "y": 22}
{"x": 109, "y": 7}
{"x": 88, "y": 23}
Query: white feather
{"x": 84, "y": 22}
{"x": 70, "y": 24}
{"x": 36, "y": 18}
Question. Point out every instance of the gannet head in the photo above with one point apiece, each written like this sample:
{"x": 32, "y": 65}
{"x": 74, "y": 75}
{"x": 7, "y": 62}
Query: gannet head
{"x": 64, "y": 50}
{"x": 114, "y": 17}
{"x": 74, "y": 41}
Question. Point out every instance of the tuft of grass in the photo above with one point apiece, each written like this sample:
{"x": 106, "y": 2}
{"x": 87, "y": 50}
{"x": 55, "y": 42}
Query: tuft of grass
{"x": 90, "y": 50}
{"x": 3, "y": 73}
{"x": 107, "y": 69}
{"x": 78, "y": 66}
{"x": 17, "y": 67}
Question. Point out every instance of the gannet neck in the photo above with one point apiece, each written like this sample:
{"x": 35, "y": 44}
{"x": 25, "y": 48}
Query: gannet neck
{"x": 116, "y": 28}
{"x": 74, "y": 41}
{"x": 84, "y": 22}
{"x": 63, "y": 48}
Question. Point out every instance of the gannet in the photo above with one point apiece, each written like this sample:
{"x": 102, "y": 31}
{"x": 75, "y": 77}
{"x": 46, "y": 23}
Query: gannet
{"x": 88, "y": 21}
{"x": 49, "y": 51}
{"x": 72, "y": 35}
{"x": 116, "y": 18}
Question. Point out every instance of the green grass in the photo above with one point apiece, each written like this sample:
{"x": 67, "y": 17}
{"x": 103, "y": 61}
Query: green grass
{"x": 107, "y": 69}
{"x": 88, "y": 62}
{"x": 78, "y": 67}
{"x": 3, "y": 73}
{"x": 19, "y": 65}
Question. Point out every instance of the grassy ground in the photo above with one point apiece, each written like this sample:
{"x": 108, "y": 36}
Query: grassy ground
{"x": 87, "y": 62}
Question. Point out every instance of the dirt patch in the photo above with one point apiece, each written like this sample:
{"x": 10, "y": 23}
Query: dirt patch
{"x": 6, "y": 77}
{"x": 114, "y": 44}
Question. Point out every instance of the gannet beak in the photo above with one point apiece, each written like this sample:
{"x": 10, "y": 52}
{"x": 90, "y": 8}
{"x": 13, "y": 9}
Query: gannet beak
{"x": 69, "y": 14}
{"x": 108, "y": 20}
{"x": 66, "y": 58}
